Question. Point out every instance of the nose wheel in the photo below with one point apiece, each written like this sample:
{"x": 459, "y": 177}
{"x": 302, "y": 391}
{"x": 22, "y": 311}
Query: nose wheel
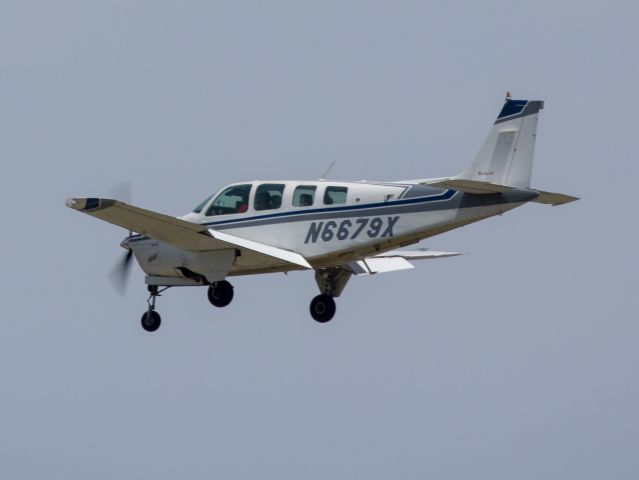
{"x": 151, "y": 319}
{"x": 322, "y": 308}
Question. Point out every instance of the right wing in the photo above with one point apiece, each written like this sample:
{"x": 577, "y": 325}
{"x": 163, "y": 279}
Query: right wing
{"x": 182, "y": 234}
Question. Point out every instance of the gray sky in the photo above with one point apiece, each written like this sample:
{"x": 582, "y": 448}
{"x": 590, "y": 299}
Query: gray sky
{"x": 518, "y": 360}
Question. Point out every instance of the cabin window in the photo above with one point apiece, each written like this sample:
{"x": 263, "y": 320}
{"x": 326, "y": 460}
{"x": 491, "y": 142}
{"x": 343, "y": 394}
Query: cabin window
{"x": 304, "y": 196}
{"x": 268, "y": 196}
{"x": 233, "y": 199}
{"x": 335, "y": 195}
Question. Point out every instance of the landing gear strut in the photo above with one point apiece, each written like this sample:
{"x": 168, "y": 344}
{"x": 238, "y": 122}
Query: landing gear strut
{"x": 151, "y": 319}
{"x": 220, "y": 293}
{"x": 331, "y": 282}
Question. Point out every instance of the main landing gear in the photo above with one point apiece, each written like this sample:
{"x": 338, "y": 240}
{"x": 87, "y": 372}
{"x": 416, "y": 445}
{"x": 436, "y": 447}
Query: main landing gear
{"x": 322, "y": 308}
{"x": 331, "y": 282}
{"x": 220, "y": 293}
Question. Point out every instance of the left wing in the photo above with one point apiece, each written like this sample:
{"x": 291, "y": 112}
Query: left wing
{"x": 394, "y": 260}
{"x": 182, "y": 234}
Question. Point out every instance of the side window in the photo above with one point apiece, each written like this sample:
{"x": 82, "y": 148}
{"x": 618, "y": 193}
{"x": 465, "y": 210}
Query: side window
{"x": 335, "y": 195}
{"x": 268, "y": 196}
{"x": 232, "y": 200}
{"x": 304, "y": 196}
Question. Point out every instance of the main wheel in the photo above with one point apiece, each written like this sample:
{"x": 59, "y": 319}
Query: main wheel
{"x": 220, "y": 293}
{"x": 151, "y": 321}
{"x": 322, "y": 308}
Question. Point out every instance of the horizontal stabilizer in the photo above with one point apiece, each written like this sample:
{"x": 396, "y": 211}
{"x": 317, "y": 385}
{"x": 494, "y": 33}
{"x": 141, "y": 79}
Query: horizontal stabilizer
{"x": 482, "y": 188}
{"x": 394, "y": 260}
{"x": 373, "y": 265}
{"x": 421, "y": 254}
{"x": 469, "y": 186}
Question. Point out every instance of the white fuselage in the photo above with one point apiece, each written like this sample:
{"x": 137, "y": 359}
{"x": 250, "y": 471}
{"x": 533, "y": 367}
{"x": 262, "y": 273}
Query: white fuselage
{"x": 371, "y": 218}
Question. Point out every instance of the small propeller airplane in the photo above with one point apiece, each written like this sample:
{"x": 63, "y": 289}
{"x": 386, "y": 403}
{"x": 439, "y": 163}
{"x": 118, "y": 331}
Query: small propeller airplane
{"x": 336, "y": 229}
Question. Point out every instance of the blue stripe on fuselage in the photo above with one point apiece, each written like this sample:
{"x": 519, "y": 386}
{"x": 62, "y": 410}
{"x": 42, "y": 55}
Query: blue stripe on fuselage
{"x": 432, "y": 198}
{"x": 446, "y": 195}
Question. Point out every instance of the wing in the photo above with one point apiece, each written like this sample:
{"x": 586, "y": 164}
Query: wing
{"x": 185, "y": 235}
{"x": 394, "y": 260}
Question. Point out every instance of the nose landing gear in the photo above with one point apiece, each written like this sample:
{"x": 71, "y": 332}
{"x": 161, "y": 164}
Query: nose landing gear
{"x": 151, "y": 319}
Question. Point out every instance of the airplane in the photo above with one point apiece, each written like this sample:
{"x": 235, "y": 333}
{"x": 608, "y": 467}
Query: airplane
{"x": 336, "y": 229}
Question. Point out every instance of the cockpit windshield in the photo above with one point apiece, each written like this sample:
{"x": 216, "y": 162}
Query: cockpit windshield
{"x": 233, "y": 199}
{"x": 199, "y": 208}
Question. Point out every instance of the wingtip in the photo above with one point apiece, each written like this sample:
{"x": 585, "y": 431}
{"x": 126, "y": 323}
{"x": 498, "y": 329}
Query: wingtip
{"x": 565, "y": 200}
{"x": 88, "y": 203}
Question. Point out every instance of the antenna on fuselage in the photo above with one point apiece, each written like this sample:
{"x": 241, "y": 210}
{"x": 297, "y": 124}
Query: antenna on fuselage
{"x": 323, "y": 177}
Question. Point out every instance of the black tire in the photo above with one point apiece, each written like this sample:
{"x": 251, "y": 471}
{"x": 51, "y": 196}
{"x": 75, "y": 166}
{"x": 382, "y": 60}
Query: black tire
{"x": 220, "y": 293}
{"x": 322, "y": 308}
{"x": 151, "y": 321}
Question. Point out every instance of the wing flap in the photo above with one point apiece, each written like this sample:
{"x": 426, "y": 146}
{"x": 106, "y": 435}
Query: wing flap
{"x": 261, "y": 248}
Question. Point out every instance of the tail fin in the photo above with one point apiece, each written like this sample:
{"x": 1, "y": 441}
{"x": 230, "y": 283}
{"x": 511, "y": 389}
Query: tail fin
{"x": 506, "y": 156}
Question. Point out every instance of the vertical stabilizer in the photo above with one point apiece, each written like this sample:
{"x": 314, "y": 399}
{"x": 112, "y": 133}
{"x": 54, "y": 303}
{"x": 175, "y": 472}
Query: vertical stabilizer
{"x": 506, "y": 156}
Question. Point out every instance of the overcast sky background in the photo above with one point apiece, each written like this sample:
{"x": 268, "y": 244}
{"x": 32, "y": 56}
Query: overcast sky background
{"x": 518, "y": 360}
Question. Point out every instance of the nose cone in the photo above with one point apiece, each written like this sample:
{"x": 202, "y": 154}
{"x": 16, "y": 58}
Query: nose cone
{"x": 125, "y": 243}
